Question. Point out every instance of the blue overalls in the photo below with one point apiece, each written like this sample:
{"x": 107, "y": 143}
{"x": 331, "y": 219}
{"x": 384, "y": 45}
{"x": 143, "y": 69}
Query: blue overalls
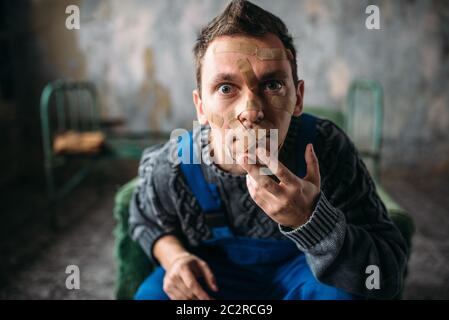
{"x": 246, "y": 268}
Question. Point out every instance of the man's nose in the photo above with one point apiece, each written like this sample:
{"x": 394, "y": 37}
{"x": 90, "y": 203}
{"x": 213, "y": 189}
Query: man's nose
{"x": 249, "y": 118}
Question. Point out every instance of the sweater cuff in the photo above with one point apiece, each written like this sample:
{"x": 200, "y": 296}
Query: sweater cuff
{"x": 321, "y": 223}
{"x": 147, "y": 239}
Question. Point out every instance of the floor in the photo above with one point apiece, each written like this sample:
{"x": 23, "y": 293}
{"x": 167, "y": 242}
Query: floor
{"x": 426, "y": 198}
{"x": 87, "y": 244}
{"x": 36, "y": 268}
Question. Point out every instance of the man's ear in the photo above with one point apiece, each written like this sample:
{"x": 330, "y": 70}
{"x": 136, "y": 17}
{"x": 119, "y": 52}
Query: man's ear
{"x": 200, "y": 114}
{"x": 299, "y": 99}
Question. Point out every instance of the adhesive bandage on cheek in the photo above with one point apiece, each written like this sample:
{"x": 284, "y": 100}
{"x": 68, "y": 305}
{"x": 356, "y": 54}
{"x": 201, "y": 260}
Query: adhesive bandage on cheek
{"x": 285, "y": 103}
{"x": 215, "y": 119}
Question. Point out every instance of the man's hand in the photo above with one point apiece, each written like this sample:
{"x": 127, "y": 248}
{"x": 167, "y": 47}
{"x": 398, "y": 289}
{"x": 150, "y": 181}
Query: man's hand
{"x": 180, "y": 281}
{"x": 291, "y": 201}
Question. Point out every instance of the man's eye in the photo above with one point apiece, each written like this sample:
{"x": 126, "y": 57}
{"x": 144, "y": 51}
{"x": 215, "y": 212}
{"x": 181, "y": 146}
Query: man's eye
{"x": 225, "y": 89}
{"x": 273, "y": 85}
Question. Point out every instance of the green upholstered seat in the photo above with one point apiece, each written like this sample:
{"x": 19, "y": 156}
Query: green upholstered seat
{"x": 132, "y": 265}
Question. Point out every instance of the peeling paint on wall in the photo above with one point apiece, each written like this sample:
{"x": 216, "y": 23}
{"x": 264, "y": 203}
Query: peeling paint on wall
{"x": 339, "y": 78}
{"x": 153, "y": 95}
{"x": 138, "y": 53}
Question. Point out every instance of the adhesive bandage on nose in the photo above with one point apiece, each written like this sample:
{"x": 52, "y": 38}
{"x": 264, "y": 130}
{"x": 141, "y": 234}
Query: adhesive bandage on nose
{"x": 286, "y": 103}
{"x": 250, "y": 105}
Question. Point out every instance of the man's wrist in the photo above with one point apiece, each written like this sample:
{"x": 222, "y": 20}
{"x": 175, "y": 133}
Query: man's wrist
{"x": 319, "y": 226}
{"x": 178, "y": 257}
{"x": 306, "y": 216}
{"x": 166, "y": 249}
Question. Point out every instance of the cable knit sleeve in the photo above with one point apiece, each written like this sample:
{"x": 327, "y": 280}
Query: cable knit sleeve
{"x": 150, "y": 216}
{"x": 349, "y": 229}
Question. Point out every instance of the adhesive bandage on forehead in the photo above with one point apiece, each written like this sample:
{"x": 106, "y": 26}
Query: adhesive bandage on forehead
{"x": 254, "y": 50}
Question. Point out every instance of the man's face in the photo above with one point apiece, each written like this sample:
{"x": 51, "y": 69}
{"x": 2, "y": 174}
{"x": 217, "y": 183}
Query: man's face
{"x": 225, "y": 89}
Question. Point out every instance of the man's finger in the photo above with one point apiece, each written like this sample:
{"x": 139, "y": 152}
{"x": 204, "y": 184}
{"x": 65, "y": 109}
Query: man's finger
{"x": 262, "y": 197}
{"x": 313, "y": 167}
{"x": 262, "y": 181}
{"x": 284, "y": 175}
{"x": 175, "y": 293}
{"x": 192, "y": 284}
{"x": 182, "y": 288}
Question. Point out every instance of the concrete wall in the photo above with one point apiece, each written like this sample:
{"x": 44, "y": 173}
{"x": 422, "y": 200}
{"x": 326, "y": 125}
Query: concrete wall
{"x": 139, "y": 55}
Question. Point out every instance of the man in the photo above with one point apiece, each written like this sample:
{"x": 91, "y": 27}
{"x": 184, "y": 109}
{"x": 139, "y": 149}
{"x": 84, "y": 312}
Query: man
{"x": 224, "y": 229}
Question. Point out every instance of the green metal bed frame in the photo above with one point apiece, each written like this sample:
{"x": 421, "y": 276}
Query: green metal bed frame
{"x": 373, "y": 151}
{"x": 66, "y": 106}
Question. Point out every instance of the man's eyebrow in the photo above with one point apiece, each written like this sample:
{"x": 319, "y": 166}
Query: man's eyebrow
{"x": 274, "y": 74}
{"x": 225, "y": 77}
{"x": 231, "y": 77}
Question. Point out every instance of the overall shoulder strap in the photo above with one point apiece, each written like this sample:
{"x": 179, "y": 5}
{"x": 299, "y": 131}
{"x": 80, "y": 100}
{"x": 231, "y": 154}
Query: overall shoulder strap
{"x": 306, "y": 135}
{"x": 206, "y": 193}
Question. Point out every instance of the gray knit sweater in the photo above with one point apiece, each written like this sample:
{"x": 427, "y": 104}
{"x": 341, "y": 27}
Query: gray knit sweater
{"x": 348, "y": 231}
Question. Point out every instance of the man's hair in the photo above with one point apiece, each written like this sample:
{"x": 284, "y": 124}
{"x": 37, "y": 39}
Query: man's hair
{"x": 242, "y": 17}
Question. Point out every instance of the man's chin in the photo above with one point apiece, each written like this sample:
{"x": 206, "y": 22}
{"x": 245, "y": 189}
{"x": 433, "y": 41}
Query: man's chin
{"x": 240, "y": 171}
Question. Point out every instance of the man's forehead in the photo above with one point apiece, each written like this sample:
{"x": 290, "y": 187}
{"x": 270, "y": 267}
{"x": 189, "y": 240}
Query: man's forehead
{"x": 268, "y": 40}
{"x": 265, "y": 52}
{"x": 268, "y": 47}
